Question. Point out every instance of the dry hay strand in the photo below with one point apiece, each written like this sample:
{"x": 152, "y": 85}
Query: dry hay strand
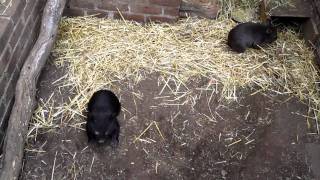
{"x": 44, "y": 118}
{"x": 146, "y": 129}
{"x": 101, "y": 52}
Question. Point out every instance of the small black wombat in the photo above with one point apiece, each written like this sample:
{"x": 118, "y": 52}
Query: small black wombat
{"x": 250, "y": 35}
{"x": 102, "y": 123}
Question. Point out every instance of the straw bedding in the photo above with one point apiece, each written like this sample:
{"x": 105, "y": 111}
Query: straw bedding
{"x": 100, "y": 53}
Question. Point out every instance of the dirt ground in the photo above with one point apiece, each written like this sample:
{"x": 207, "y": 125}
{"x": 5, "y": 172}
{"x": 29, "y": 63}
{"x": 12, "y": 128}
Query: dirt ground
{"x": 257, "y": 137}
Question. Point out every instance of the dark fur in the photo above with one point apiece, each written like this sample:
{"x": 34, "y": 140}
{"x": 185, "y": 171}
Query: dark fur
{"x": 102, "y": 124}
{"x": 251, "y": 35}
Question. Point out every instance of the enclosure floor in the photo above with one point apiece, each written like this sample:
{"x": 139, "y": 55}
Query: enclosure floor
{"x": 267, "y": 143}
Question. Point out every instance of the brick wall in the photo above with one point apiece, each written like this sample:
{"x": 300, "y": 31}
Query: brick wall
{"x": 19, "y": 25}
{"x": 137, "y": 10}
{"x": 316, "y": 18}
{"x": 200, "y": 8}
{"x": 316, "y": 6}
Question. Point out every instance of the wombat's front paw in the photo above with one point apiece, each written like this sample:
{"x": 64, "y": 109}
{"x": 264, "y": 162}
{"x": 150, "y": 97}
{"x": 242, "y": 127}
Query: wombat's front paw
{"x": 114, "y": 142}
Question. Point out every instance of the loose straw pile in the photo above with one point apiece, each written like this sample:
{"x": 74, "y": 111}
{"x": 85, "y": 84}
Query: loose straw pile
{"x": 100, "y": 52}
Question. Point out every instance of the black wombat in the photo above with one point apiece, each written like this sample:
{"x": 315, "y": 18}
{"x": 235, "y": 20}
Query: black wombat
{"x": 250, "y": 35}
{"x": 102, "y": 123}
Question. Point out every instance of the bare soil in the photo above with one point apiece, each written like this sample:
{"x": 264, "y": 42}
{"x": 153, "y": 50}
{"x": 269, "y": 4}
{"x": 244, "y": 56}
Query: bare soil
{"x": 257, "y": 137}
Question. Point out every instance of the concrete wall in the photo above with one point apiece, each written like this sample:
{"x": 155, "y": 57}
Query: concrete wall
{"x": 19, "y": 25}
{"x": 137, "y": 10}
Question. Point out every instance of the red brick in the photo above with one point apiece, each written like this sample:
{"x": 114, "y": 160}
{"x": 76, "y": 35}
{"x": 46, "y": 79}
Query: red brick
{"x": 16, "y": 34}
{"x": 21, "y": 57}
{"x": 33, "y": 12}
{"x": 171, "y": 11}
{"x": 9, "y": 91}
{"x": 3, "y": 109}
{"x": 107, "y": 5}
{"x": 82, "y": 4}
{"x": 171, "y": 3}
{"x": 28, "y": 40}
{"x": 43, "y": 2}
{"x": 28, "y": 9}
{"x": 211, "y": 11}
{"x": 144, "y": 2}
{"x": 37, "y": 10}
{"x": 5, "y": 77}
{"x": 98, "y": 13}
{"x": 5, "y": 31}
{"x": 201, "y": 9}
{"x": 130, "y": 17}
{"x": 11, "y": 86}
{"x": 14, "y": 12}
{"x": 11, "y": 67}
{"x": 29, "y": 27}
{"x": 126, "y": 1}
{"x": 145, "y": 9}
{"x": 159, "y": 19}
{"x": 6, "y": 114}
{"x": 25, "y": 52}
{"x": 4, "y": 59}
{"x": 71, "y": 12}
{"x": 123, "y": 6}
{"x": 4, "y": 118}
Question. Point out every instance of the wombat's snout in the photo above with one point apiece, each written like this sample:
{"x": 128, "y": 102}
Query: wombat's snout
{"x": 101, "y": 141}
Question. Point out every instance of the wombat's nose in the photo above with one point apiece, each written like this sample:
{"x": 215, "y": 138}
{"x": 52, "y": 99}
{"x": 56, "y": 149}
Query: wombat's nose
{"x": 101, "y": 141}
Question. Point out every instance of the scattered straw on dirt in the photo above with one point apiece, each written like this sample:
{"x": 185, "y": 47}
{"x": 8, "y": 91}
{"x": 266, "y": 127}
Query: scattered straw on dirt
{"x": 44, "y": 118}
{"x": 144, "y": 131}
{"x": 102, "y": 52}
